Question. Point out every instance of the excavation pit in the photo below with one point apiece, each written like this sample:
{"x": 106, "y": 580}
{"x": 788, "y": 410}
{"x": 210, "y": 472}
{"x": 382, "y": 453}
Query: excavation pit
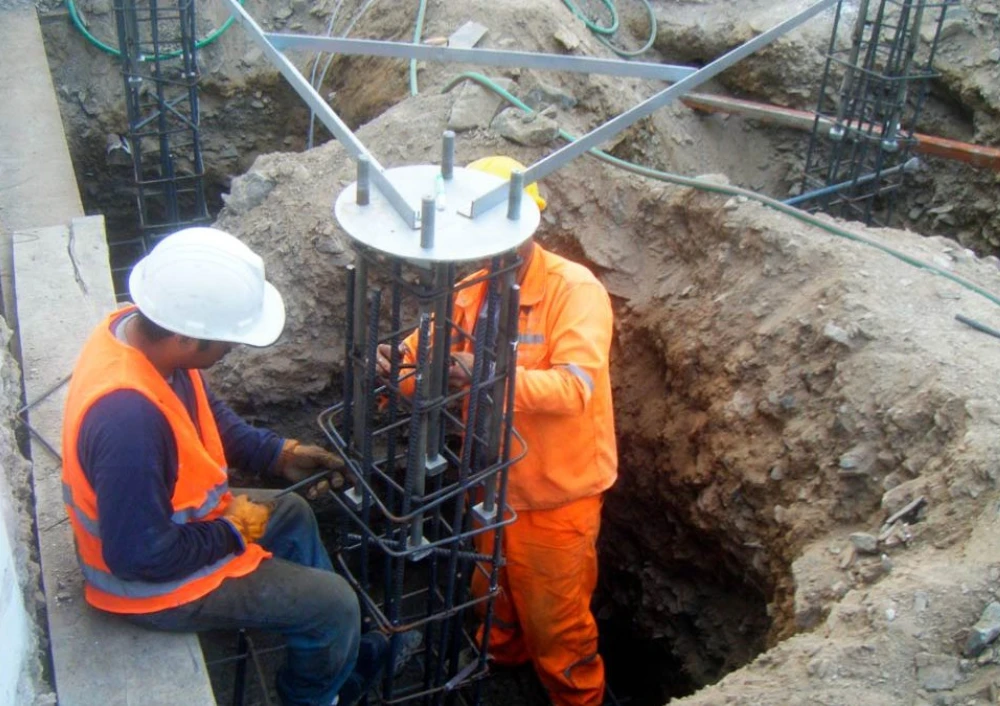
{"x": 778, "y": 386}
{"x": 758, "y": 421}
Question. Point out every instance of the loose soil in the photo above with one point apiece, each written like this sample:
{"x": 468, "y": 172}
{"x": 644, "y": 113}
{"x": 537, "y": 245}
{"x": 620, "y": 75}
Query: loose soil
{"x": 778, "y": 387}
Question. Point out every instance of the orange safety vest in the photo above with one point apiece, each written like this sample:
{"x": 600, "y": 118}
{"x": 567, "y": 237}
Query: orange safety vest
{"x": 562, "y": 392}
{"x": 201, "y": 493}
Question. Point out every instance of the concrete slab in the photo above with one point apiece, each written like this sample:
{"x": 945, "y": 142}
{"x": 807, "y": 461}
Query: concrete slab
{"x": 37, "y": 184}
{"x": 63, "y": 290}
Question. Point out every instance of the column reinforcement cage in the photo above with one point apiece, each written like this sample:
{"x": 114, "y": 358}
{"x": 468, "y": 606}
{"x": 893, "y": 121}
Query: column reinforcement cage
{"x": 428, "y": 458}
{"x": 429, "y": 464}
{"x": 157, "y": 43}
{"x": 859, "y": 151}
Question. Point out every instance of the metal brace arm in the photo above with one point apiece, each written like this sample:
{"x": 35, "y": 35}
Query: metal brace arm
{"x": 602, "y": 134}
{"x": 326, "y": 115}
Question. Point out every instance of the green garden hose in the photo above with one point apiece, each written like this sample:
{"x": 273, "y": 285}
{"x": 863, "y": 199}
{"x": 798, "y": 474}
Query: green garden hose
{"x": 418, "y": 31}
{"x": 733, "y": 191}
{"x": 645, "y": 47}
{"x": 591, "y": 25}
{"x": 74, "y": 16}
{"x": 604, "y": 34}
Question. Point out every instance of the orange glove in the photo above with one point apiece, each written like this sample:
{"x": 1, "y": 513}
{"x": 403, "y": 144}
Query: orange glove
{"x": 298, "y": 461}
{"x": 249, "y": 518}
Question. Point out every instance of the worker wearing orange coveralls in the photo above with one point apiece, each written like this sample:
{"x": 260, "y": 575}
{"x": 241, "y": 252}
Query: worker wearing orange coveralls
{"x": 562, "y": 409}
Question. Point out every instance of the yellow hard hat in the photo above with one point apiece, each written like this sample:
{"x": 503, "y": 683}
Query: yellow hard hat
{"x": 502, "y": 167}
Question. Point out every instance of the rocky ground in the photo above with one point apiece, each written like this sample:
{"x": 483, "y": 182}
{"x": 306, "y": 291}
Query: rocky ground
{"x": 16, "y": 509}
{"x": 783, "y": 389}
{"x": 781, "y": 393}
{"x": 248, "y": 110}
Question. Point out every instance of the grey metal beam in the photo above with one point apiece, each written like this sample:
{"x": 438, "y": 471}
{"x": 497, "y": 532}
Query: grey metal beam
{"x": 326, "y": 114}
{"x": 485, "y": 57}
{"x": 605, "y": 132}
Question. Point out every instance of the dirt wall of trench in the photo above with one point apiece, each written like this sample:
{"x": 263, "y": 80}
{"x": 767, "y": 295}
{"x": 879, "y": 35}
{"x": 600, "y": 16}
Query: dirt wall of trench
{"x": 777, "y": 388}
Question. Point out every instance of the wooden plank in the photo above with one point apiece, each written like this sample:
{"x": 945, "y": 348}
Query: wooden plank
{"x": 63, "y": 289}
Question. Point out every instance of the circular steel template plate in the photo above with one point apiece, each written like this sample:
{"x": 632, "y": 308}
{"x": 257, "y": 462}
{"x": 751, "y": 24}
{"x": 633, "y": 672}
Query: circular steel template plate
{"x": 456, "y": 237}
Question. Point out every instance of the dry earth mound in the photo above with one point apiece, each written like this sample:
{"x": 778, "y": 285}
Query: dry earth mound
{"x": 781, "y": 393}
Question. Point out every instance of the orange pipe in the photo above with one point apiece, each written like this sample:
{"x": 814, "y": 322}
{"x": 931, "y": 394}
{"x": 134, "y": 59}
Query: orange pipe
{"x": 976, "y": 155}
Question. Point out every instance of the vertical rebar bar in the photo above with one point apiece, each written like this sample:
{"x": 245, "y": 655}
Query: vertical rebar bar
{"x": 515, "y": 194}
{"x": 368, "y": 409}
{"x": 349, "y": 390}
{"x": 392, "y": 599}
{"x": 505, "y": 450}
{"x": 427, "y": 210}
{"x": 240, "y": 679}
{"x": 448, "y": 155}
{"x": 363, "y": 191}
{"x": 356, "y": 360}
{"x": 416, "y": 462}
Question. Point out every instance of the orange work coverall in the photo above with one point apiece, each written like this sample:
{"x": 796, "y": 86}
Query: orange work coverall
{"x": 562, "y": 409}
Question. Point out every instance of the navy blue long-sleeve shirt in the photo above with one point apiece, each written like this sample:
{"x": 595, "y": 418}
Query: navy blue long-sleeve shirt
{"x": 129, "y": 456}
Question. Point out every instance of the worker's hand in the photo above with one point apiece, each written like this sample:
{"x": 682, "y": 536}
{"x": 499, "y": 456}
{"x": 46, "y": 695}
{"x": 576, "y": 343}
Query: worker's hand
{"x": 383, "y": 360}
{"x": 460, "y": 370}
{"x": 298, "y": 461}
{"x": 249, "y": 518}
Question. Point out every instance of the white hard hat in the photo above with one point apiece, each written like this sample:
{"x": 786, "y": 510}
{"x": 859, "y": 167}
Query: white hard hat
{"x": 206, "y": 284}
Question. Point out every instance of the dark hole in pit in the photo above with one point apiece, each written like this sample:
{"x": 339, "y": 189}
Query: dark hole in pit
{"x": 641, "y": 671}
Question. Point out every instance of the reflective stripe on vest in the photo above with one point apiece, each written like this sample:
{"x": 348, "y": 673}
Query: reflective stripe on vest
{"x": 531, "y": 338}
{"x": 179, "y": 518}
{"x": 196, "y": 513}
{"x": 109, "y": 583}
{"x": 91, "y": 526}
{"x": 580, "y": 373}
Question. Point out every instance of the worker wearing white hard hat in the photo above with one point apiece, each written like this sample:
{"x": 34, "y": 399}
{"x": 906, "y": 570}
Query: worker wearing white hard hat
{"x": 206, "y": 284}
{"x": 148, "y": 448}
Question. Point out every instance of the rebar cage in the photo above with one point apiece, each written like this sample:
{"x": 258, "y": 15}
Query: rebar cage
{"x": 427, "y": 459}
{"x": 160, "y": 71}
{"x": 859, "y": 151}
